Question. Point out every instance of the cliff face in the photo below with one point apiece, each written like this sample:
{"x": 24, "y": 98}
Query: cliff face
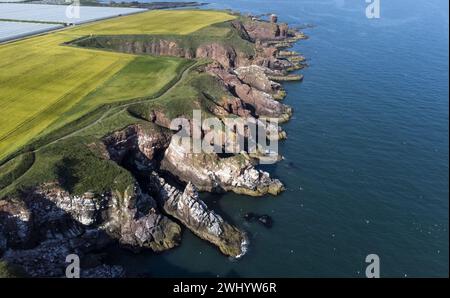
{"x": 209, "y": 172}
{"x": 135, "y": 221}
{"x": 182, "y": 205}
{"x": 258, "y": 30}
{"x": 256, "y": 77}
{"x": 157, "y": 47}
{"x": 248, "y": 42}
{"x": 263, "y": 103}
{"x": 137, "y": 144}
{"x": 31, "y": 225}
{"x": 225, "y": 54}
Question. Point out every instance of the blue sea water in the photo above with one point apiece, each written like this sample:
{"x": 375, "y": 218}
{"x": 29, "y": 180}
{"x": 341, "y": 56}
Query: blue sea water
{"x": 367, "y": 157}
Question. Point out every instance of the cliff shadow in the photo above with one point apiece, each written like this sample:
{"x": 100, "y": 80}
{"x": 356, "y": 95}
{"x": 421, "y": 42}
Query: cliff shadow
{"x": 36, "y": 236}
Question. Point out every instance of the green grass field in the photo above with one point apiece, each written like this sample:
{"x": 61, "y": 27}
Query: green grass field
{"x": 157, "y": 22}
{"x": 144, "y": 76}
{"x": 198, "y": 91}
{"x": 44, "y": 85}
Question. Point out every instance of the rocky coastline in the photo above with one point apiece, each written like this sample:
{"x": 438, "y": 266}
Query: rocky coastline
{"x": 41, "y": 225}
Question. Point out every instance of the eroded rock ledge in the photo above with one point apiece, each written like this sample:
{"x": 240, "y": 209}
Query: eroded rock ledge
{"x": 209, "y": 172}
{"x": 254, "y": 90}
{"x": 196, "y": 216}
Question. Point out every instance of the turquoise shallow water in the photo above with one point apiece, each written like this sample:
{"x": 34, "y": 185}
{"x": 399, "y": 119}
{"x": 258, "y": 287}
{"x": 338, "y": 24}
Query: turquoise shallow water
{"x": 366, "y": 164}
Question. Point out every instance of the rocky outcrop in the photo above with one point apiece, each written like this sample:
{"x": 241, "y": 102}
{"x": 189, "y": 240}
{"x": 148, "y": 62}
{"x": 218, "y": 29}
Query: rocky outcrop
{"x": 267, "y": 57}
{"x": 138, "y": 143}
{"x": 182, "y": 205}
{"x": 209, "y": 172}
{"x": 256, "y": 77}
{"x": 85, "y": 209}
{"x": 134, "y": 220}
{"x": 47, "y": 223}
{"x": 261, "y": 102}
{"x": 38, "y": 236}
{"x": 187, "y": 207}
{"x": 227, "y": 56}
{"x": 159, "y": 47}
{"x": 259, "y": 30}
{"x": 232, "y": 105}
{"x": 264, "y": 219}
{"x": 130, "y": 217}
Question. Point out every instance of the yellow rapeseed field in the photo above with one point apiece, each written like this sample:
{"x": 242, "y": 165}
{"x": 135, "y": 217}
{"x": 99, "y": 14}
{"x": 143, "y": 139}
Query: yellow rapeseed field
{"x": 40, "y": 78}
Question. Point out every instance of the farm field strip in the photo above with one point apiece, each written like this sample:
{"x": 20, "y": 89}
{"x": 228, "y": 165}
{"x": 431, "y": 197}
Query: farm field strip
{"x": 14, "y": 30}
{"x": 45, "y": 79}
{"x": 164, "y": 22}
